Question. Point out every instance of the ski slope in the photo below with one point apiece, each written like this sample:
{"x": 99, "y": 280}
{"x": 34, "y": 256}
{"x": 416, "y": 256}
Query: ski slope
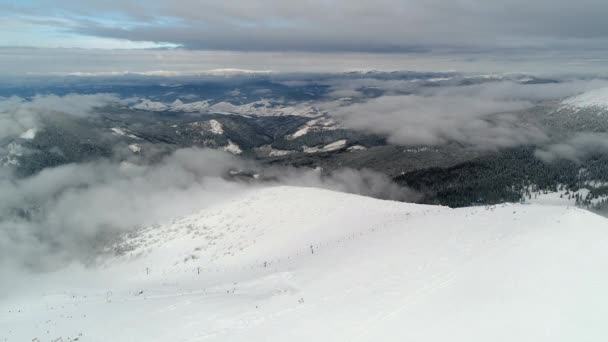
{"x": 304, "y": 264}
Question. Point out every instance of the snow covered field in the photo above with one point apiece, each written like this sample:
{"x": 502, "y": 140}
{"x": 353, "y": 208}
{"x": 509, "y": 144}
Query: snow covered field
{"x": 303, "y": 264}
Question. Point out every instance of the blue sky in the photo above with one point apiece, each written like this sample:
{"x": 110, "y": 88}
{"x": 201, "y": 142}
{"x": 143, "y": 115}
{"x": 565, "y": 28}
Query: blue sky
{"x": 21, "y": 31}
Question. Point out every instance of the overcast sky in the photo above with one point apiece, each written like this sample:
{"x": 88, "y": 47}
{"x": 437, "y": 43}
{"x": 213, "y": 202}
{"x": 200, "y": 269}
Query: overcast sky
{"x": 409, "y": 27}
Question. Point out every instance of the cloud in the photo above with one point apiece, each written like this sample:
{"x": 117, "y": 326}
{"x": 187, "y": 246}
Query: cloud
{"x": 75, "y": 212}
{"x": 482, "y": 116}
{"x": 576, "y": 149}
{"x": 473, "y": 35}
{"x": 344, "y": 93}
{"x": 436, "y": 120}
{"x": 507, "y": 90}
{"x": 352, "y": 87}
{"x": 362, "y": 182}
{"x": 317, "y": 25}
{"x": 21, "y": 61}
{"x": 18, "y": 115}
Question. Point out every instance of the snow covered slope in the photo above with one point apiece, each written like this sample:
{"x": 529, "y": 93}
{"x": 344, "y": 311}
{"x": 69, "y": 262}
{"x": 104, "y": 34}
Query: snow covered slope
{"x": 597, "y": 99}
{"x": 259, "y": 108}
{"x": 303, "y": 264}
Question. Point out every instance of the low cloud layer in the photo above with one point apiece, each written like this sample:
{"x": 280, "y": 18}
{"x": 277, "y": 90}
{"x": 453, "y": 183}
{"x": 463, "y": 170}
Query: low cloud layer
{"x": 73, "y": 212}
{"x": 418, "y": 120}
{"x": 66, "y": 212}
{"x": 484, "y": 116}
{"x": 576, "y": 149}
{"x": 362, "y": 182}
{"x": 19, "y": 115}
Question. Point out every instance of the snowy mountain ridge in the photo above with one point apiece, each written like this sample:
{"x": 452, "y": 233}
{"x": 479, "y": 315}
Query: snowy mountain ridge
{"x": 259, "y": 108}
{"x": 304, "y": 264}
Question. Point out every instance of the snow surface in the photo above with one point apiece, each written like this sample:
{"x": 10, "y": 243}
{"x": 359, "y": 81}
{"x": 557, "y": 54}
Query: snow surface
{"x": 223, "y": 107}
{"x": 212, "y": 126}
{"x": 149, "y": 105}
{"x": 419, "y": 149}
{"x": 565, "y": 197}
{"x": 597, "y": 98}
{"x": 262, "y": 107}
{"x": 316, "y": 125}
{"x": 334, "y": 146}
{"x": 135, "y": 148}
{"x": 304, "y": 264}
{"x": 177, "y": 105}
{"x": 357, "y": 148}
{"x": 190, "y": 107}
{"x": 124, "y": 133}
{"x": 29, "y": 134}
{"x": 216, "y": 127}
{"x": 232, "y": 148}
{"x": 269, "y": 151}
{"x": 300, "y": 132}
